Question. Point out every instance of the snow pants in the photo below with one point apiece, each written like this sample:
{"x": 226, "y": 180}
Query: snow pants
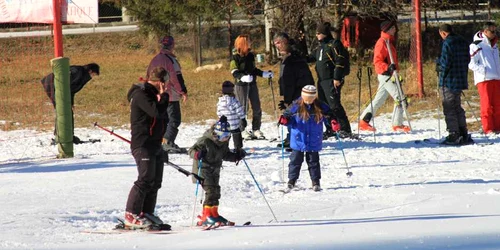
{"x": 142, "y": 196}
{"x": 385, "y": 88}
{"x": 454, "y": 114}
{"x": 330, "y": 95}
{"x": 489, "y": 95}
{"x": 250, "y": 93}
{"x": 174, "y": 121}
{"x": 312, "y": 160}
{"x": 211, "y": 185}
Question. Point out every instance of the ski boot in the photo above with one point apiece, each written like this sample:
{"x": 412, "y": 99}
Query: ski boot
{"x": 218, "y": 219}
{"x": 206, "y": 219}
{"x": 134, "y": 221}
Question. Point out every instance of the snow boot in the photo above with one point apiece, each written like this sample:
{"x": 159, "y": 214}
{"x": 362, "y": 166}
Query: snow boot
{"x": 401, "y": 128}
{"x": 466, "y": 137}
{"x": 315, "y": 186}
{"x": 453, "y": 138}
{"x": 134, "y": 221}
{"x": 248, "y": 135}
{"x": 259, "y": 135}
{"x": 219, "y": 220}
{"x": 365, "y": 126}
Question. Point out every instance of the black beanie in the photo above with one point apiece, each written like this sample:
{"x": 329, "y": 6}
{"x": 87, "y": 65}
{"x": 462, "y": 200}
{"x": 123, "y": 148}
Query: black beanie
{"x": 386, "y": 25}
{"x": 323, "y": 28}
{"x": 227, "y": 87}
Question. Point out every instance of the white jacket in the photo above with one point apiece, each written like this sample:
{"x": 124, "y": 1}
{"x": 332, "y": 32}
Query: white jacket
{"x": 485, "y": 60}
{"x": 230, "y": 107}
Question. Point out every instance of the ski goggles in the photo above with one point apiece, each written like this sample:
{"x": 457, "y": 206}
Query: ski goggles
{"x": 222, "y": 136}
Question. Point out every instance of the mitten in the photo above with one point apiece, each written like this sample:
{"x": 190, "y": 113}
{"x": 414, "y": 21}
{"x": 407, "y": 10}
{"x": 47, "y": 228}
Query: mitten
{"x": 247, "y": 78}
{"x": 335, "y": 125}
{"x": 283, "y": 120}
{"x": 243, "y": 123}
{"x": 200, "y": 154}
{"x": 282, "y": 105}
{"x": 267, "y": 74}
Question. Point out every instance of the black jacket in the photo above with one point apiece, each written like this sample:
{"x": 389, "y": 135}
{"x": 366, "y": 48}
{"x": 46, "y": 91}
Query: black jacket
{"x": 245, "y": 65}
{"x": 147, "y": 116}
{"x": 78, "y": 77}
{"x": 294, "y": 75}
{"x": 327, "y": 56}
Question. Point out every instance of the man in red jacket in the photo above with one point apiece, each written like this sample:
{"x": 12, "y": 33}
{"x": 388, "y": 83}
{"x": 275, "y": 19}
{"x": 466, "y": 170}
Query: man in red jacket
{"x": 387, "y": 86}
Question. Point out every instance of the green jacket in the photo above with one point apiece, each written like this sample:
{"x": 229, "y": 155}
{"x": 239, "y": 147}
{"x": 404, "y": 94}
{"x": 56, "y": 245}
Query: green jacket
{"x": 217, "y": 151}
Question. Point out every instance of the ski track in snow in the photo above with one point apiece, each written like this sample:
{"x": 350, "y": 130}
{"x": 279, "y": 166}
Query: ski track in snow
{"x": 402, "y": 195}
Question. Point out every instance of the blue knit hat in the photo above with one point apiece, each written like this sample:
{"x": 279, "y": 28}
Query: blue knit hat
{"x": 221, "y": 129}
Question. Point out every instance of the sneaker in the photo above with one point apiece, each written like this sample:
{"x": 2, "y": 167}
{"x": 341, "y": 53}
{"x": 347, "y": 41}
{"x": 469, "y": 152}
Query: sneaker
{"x": 135, "y": 221}
{"x": 365, "y": 126}
{"x": 454, "y": 138}
{"x": 401, "y": 128}
{"x": 258, "y": 134}
{"x": 247, "y": 135}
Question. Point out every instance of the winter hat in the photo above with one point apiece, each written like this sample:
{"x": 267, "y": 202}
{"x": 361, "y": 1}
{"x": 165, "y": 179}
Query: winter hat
{"x": 324, "y": 28}
{"x": 227, "y": 87}
{"x": 387, "y": 25}
{"x": 221, "y": 128}
{"x": 158, "y": 74}
{"x": 308, "y": 93}
{"x": 167, "y": 42}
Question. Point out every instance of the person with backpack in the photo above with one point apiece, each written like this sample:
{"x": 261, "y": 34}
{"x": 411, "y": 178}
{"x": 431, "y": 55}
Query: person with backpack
{"x": 176, "y": 89}
{"x": 79, "y": 76}
{"x": 332, "y": 65}
{"x": 294, "y": 74}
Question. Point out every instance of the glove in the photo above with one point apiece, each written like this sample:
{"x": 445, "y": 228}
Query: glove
{"x": 281, "y": 105}
{"x": 247, "y": 78}
{"x": 243, "y": 123}
{"x": 335, "y": 125}
{"x": 268, "y": 74}
{"x": 200, "y": 154}
{"x": 283, "y": 120}
{"x": 390, "y": 70}
{"x": 240, "y": 154}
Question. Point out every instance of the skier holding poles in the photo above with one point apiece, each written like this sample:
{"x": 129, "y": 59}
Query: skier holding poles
{"x": 386, "y": 64}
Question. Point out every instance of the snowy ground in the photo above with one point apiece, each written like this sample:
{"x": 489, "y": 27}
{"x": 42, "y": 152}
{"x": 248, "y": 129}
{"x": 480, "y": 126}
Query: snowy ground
{"x": 402, "y": 195}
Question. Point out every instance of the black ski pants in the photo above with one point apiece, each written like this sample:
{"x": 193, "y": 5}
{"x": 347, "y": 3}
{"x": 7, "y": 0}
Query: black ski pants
{"x": 143, "y": 195}
{"x": 454, "y": 114}
{"x": 174, "y": 121}
{"x": 331, "y": 95}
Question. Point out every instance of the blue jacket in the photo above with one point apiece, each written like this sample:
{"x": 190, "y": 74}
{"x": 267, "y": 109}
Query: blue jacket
{"x": 306, "y": 136}
{"x": 454, "y": 61}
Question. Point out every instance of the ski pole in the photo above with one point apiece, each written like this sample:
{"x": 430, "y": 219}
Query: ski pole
{"x": 369, "y": 73}
{"x": 111, "y": 132}
{"x": 260, "y": 190}
{"x": 438, "y": 109}
{"x": 182, "y": 170}
{"x": 395, "y": 74}
{"x": 359, "y": 75}
{"x": 196, "y": 192}
{"x": 274, "y": 102}
{"x": 475, "y": 116}
{"x": 349, "y": 173}
{"x": 283, "y": 152}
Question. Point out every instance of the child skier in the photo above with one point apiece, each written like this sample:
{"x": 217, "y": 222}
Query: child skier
{"x": 305, "y": 118}
{"x": 230, "y": 107}
{"x": 211, "y": 149}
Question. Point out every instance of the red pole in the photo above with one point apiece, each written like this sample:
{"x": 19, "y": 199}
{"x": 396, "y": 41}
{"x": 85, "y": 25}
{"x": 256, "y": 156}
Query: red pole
{"x": 418, "y": 35}
{"x": 58, "y": 37}
{"x": 111, "y": 132}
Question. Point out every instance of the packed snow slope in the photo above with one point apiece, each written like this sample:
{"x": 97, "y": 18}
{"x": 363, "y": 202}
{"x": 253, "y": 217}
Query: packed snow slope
{"x": 402, "y": 195}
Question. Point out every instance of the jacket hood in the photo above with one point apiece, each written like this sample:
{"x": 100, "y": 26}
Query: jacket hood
{"x": 146, "y": 87}
{"x": 478, "y": 36}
